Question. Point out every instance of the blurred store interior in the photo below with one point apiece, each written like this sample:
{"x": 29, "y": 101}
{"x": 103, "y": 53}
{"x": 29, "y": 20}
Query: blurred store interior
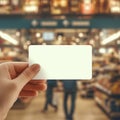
{"x": 66, "y": 22}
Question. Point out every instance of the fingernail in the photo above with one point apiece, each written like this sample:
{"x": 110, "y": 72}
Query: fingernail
{"x": 35, "y": 67}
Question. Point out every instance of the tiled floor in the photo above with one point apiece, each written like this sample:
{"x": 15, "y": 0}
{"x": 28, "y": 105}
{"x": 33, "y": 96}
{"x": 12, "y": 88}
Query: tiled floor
{"x": 86, "y": 109}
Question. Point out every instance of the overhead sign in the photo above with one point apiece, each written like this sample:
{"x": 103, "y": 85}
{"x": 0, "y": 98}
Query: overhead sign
{"x": 19, "y": 22}
{"x": 80, "y": 23}
{"x": 48, "y": 23}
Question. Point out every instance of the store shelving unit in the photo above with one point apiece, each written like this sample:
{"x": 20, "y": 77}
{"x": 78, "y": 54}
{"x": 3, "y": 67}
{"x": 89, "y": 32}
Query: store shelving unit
{"x": 108, "y": 97}
{"x": 87, "y": 89}
{"x": 106, "y": 91}
{"x": 111, "y": 114}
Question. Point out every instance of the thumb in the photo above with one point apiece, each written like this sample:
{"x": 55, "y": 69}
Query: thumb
{"x": 27, "y": 75}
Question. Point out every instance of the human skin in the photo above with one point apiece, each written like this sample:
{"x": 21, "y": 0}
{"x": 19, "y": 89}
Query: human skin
{"x": 16, "y": 81}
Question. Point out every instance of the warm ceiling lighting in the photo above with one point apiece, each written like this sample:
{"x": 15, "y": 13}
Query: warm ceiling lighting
{"x": 3, "y": 2}
{"x": 87, "y": 1}
{"x": 102, "y": 50}
{"x": 81, "y": 35}
{"x": 8, "y": 38}
{"x": 30, "y": 8}
{"x": 111, "y": 38}
{"x": 63, "y": 3}
{"x": 38, "y": 35}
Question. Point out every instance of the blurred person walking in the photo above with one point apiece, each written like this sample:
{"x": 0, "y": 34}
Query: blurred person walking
{"x": 51, "y": 86}
{"x": 70, "y": 89}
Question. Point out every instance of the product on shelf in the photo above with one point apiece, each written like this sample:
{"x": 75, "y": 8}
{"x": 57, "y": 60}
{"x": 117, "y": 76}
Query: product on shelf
{"x": 115, "y": 6}
{"x": 31, "y": 6}
{"x": 87, "y": 89}
{"x": 104, "y": 6}
{"x": 45, "y": 6}
{"x": 59, "y": 6}
{"x": 87, "y": 7}
{"x": 111, "y": 105}
{"x": 56, "y": 7}
{"x": 74, "y": 6}
{"x": 16, "y": 6}
{"x": 107, "y": 88}
{"x": 5, "y": 6}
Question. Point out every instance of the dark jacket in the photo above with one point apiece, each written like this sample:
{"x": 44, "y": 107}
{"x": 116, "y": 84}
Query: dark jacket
{"x": 51, "y": 84}
{"x": 70, "y": 85}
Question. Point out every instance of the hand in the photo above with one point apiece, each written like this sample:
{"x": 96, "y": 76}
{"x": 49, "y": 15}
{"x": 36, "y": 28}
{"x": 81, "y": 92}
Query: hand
{"x": 32, "y": 87}
{"x": 15, "y": 81}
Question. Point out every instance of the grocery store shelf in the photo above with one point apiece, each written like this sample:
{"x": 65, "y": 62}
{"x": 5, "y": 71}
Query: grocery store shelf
{"x": 107, "y": 109}
{"x": 106, "y": 91}
{"x": 101, "y": 88}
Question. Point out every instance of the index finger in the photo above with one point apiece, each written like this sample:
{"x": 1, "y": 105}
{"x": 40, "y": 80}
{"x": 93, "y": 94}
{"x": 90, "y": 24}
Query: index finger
{"x": 20, "y": 66}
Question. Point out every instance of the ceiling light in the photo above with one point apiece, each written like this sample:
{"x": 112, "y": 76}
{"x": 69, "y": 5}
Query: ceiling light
{"x": 111, "y": 38}
{"x": 37, "y": 35}
{"x": 102, "y": 50}
{"x": 32, "y": 8}
{"x": 81, "y": 35}
{"x": 92, "y": 42}
{"x": 110, "y": 50}
{"x": 87, "y": 1}
{"x": 63, "y": 3}
{"x": 8, "y": 38}
{"x": 17, "y": 33}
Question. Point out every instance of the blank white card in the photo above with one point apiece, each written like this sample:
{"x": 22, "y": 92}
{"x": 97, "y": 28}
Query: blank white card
{"x": 62, "y": 61}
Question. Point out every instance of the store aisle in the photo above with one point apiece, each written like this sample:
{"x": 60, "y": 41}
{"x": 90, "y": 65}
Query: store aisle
{"x": 86, "y": 109}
